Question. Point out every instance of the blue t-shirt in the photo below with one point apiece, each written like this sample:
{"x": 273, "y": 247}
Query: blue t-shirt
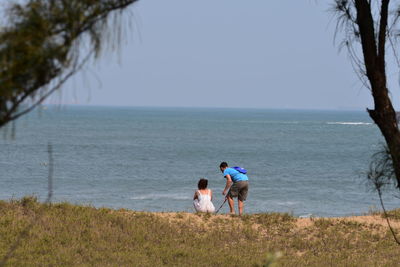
{"x": 235, "y": 175}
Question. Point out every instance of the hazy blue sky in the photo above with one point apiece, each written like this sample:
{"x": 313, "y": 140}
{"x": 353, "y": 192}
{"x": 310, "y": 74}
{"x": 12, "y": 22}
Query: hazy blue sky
{"x": 262, "y": 54}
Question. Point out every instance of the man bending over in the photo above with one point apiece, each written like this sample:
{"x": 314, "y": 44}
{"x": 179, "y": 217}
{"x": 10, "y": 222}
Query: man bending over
{"x": 239, "y": 188}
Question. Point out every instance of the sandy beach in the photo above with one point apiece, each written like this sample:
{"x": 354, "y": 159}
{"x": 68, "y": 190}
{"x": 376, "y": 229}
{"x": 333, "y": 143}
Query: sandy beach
{"x": 197, "y": 219}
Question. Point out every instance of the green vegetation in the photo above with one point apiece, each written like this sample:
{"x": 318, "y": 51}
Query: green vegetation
{"x": 393, "y": 214}
{"x": 70, "y": 235}
{"x": 45, "y": 42}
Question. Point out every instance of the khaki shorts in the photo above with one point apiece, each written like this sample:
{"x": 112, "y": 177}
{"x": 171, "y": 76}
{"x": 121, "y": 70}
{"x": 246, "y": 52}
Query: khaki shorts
{"x": 239, "y": 190}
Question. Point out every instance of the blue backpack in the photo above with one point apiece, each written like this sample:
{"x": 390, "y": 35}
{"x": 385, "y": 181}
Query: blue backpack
{"x": 240, "y": 169}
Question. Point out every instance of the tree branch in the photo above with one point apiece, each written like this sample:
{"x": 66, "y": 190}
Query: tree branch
{"x": 365, "y": 23}
{"x": 387, "y": 216}
{"x": 382, "y": 34}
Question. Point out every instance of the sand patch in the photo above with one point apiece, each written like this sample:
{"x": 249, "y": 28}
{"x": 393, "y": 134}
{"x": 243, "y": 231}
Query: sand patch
{"x": 365, "y": 220}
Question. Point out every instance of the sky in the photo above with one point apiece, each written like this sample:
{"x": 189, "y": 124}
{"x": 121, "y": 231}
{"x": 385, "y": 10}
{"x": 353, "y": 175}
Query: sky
{"x": 226, "y": 53}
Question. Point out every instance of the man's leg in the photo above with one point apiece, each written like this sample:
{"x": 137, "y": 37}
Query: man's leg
{"x": 242, "y": 195}
{"x": 240, "y": 204}
{"x": 231, "y": 204}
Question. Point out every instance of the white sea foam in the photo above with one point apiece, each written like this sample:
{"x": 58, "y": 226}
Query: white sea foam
{"x": 287, "y": 203}
{"x": 160, "y": 196}
{"x": 349, "y": 123}
{"x": 309, "y": 215}
{"x": 270, "y": 122}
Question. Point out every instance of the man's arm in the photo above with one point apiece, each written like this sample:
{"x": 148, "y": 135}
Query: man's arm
{"x": 228, "y": 184}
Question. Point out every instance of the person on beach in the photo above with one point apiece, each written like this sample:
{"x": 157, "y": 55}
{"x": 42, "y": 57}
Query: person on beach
{"x": 238, "y": 185}
{"x": 202, "y": 199}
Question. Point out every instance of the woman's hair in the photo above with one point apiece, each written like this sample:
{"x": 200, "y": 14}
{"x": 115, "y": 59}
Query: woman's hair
{"x": 202, "y": 183}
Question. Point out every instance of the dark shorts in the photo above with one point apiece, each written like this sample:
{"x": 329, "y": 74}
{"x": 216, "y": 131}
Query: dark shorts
{"x": 239, "y": 190}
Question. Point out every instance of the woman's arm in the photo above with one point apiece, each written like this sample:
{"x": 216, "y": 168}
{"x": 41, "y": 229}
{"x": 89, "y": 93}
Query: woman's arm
{"x": 195, "y": 195}
{"x": 210, "y": 194}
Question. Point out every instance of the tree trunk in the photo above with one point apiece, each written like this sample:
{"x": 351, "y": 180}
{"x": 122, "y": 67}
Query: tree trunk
{"x": 383, "y": 114}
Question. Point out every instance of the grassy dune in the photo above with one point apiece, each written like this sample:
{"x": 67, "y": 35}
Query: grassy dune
{"x": 71, "y": 235}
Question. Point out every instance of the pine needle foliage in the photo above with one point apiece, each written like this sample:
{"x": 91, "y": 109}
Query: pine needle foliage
{"x": 44, "y": 42}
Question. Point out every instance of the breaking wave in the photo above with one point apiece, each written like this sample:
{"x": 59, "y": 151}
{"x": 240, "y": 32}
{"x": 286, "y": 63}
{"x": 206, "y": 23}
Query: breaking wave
{"x": 349, "y": 123}
{"x": 160, "y": 196}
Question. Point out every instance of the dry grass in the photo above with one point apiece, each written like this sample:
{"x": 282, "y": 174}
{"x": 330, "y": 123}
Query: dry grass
{"x": 70, "y": 235}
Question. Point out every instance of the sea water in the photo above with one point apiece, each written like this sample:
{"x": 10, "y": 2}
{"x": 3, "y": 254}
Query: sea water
{"x": 308, "y": 163}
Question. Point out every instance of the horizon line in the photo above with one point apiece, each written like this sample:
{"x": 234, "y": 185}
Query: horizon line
{"x": 206, "y": 107}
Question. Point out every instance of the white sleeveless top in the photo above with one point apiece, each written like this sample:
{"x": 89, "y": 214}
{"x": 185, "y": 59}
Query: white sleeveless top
{"x": 203, "y": 202}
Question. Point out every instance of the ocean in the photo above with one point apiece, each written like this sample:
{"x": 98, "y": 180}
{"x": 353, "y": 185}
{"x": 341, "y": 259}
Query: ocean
{"x": 307, "y": 163}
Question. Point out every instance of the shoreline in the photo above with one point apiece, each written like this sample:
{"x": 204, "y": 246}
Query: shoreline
{"x": 375, "y": 216}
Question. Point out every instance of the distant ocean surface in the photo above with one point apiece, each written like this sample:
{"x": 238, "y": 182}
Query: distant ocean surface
{"x": 150, "y": 159}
